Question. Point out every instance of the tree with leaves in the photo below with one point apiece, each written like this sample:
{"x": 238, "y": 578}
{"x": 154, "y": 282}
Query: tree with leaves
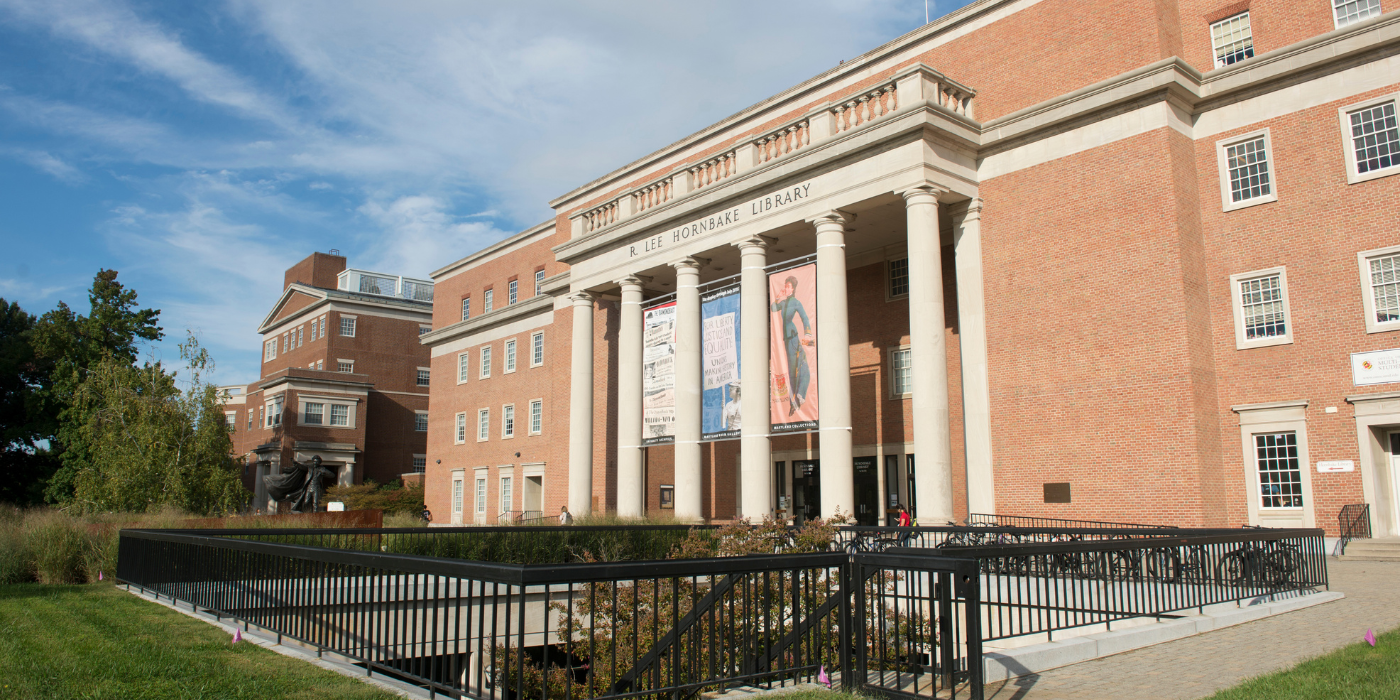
{"x": 25, "y": 427}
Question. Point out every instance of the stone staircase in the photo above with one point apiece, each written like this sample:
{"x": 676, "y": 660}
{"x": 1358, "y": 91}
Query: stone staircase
{"x": 1381, "y": 549}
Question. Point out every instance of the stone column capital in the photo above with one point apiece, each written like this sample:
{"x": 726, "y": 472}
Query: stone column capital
{"x": 689, "y": 263}
{"x": 582, "y": 298}
{"x": 971, "y": 210}
{"x": 833, "y": 217}
{"x": 921, "y": 193}
{"x": 633, "y": 281}
{"x": 756, "y": 243}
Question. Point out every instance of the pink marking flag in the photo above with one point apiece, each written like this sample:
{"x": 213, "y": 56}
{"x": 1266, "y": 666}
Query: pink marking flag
{"x": 99, "y": 576}
{"x": 237, "y": 635}
{"x": 1370, "y": 637}
{"x": 822, "y": 677}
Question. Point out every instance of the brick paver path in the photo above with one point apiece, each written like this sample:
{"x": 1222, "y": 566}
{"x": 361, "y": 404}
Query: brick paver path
{"x": 1198, "y": 666}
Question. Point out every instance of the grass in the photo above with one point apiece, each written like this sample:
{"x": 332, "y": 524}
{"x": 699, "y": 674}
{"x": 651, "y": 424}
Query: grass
{"x": 1355, "y": 672}
{"x": 100, "y": 642}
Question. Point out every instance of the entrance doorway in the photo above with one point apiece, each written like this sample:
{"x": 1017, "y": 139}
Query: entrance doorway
{"x": 532, "y": 501}
{"x": 806, "y": 490}
{"x": 867, "y": 488}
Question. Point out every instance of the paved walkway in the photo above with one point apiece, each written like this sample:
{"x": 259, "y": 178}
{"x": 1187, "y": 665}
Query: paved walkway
{"x": 1198, "y": 666}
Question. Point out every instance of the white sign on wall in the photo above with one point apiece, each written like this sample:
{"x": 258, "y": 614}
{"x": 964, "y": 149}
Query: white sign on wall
{"x": 1379, "y": 367}
{"x": 1335, "y": 465}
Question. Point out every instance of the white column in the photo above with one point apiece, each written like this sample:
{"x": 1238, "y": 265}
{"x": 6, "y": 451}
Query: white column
{"x": 972, "y": 339}
{"x": 581, "y": 407}
{"x": 688, "y": 385}
{"x": 834, "y": 366}
{"x": 630, "y": 489}
{"x": 929, "y": 358}
{"x": 755, "y": 451}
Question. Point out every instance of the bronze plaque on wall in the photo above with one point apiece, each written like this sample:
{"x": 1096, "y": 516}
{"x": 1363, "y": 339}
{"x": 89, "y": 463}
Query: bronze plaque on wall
{"x": 1057, "y": 493}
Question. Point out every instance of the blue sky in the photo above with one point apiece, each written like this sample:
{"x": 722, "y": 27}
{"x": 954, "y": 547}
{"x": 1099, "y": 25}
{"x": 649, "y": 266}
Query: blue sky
{"x": 202, "y": 148}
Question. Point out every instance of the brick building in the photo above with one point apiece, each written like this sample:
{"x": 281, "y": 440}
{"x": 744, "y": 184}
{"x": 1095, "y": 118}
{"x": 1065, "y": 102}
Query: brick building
{"x": 343, "y": 377}
{"x": 1130, "y": 261}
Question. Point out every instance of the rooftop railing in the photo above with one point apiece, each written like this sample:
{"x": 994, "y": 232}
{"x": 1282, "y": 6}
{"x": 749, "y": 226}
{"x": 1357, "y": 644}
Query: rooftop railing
{"x": 380, "y": 284}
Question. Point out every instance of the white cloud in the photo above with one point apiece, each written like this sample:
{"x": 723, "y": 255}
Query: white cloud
{"x": 48, "y": 163}
{"x": 419, "y": 236}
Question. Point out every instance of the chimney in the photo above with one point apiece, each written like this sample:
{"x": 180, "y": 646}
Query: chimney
{"x": 317, "y": 270}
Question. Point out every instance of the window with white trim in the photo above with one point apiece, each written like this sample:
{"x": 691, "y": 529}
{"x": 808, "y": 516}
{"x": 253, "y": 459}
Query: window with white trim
{"x": 508, "y": 421}
{"x": 420, "y": 421}
{"x": 485, "y": 361}
{"x": 301, "y": 335}
{"x": 231, "y": 419}
{"x": 274, "y": 412}
{"x": 320, "y": 364}
{"x": 1280, "y": 474}
{"x": 1374, "y": 148}
{"x": 536, "y": 416}
{"x": 898, "y": 287}
{"x": 457, "y": 496}
{"x": 1261, "y": 308}
{"x": 510, "y": 355}
{"x": 1380, "y": 288}
{"x": 539, "y": 282}
{"x": 260, "y": 416}
{"x": 512, "y": 291}
{"x": 269, "y": 350}
{"x": 506, "y": 499}
{"x": 461, "y": 434}
{"x": 346, "y": 366}
{"x": 1232, "y": 40}
{"x": 466, "y": 308}
{"x": 1248, "y": 165}
{"x": 536, "y": 349}
{"x": 483, "y": 425}
{"x": 464, "y": 363}
{"x": 901, "y": 372}
{"x": 285, "y": 347}
{"x": 340, "y": 415}
{"x": 486, "y": 298}
{"x": 1346, "y": 12}
{"x": 313, "y": 331}
{"x": 481, "y": 496}
{"x": 347, "y": 326}
{"x": 312, "y": 413}
{"x": 420, "y": 464}
{"x": 423, "y": 373}
{"x": 424, "y": 330}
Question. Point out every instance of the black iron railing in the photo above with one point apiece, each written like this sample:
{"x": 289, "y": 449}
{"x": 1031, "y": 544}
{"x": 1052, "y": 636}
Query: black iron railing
{"x": 984, "y": 519}
{"x": 1354, "y": 523}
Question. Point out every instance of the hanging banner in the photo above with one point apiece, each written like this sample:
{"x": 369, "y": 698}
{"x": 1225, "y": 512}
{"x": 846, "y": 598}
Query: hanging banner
{"x": 793, "y": 355}
{"x": 720, "y": 415}
{"x": 659, "y": 374}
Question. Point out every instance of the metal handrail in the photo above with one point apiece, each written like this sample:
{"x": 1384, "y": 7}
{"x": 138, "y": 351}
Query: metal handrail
{"x": 1353, "y": 522}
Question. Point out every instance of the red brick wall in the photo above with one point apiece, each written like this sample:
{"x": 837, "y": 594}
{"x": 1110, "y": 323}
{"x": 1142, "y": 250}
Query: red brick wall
{"x": 317, "y": 270}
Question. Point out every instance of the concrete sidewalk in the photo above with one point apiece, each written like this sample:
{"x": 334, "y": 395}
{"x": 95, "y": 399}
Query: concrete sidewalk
{"x": 1198, "y": 666}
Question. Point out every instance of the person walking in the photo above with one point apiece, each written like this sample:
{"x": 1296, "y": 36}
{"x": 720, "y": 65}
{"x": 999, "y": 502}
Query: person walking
{"x": 565, "y": 517}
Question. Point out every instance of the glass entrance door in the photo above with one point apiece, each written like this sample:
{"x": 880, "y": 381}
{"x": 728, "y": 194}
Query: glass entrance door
{"x": 867, "y": 488}
{"x": 806, "y": 490}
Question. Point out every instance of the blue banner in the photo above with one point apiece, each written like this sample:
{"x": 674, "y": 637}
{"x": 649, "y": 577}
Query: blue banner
{"x": 720, "y": 415}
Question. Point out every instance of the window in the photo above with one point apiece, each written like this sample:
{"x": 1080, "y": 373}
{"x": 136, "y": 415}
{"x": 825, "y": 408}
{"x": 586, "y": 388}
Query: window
{"x": 461, "y": 434}
{"x": 285, "y": 348}
{"x": 512, "y": 291}
{"x": 485, "y": 361}
{"x": 313, "y": 330}
{"x": 480, "y": 496}
{"x": 506, "y": 499}
{"x": 250, "y": 419}
{"x": 320, "y": 364}
{"x": 301, "y": 335}
{"x": 486, "y": 301}
{"x": 483, "y": 425}
{"x": 1232, "y": 40}
{"x": 420, "y": 421}
{"x": 463, "y": 367}
{"x": 424, "y": 330}
{"x": 536, "y": 349}
{"x": 423, "y": 376}
{"x": 274, "y": 412}
{"x": 345, "y": 366}
{"x": 347, "y": 326}
{"x": 536, "y": 416}
{"x": 1280, "y": 480}
{"x": 1346, "y": 12}
{"x": 508, "y": 421}
{"x": 1261, "y": 308}
{"x": 899, "y": 278}
{"x": 539, "y": 282}
{"x": 260, "y": 416}
{"x": 1380, "y": 288}
{"x": 901, "y": 372}
{"x": 311, "y": 415}
{"x": 420, "y": 464}
{"x": 1245, "y": 177}
{"x": 456, "y": 495}
{"x": 1373, "y": 140}
{"x": 340, "y": 415}
{"x": 466, "y": 308}
{"x": 323, "y": 326}
{"x": 269, "y": 350}
{"x": 510, "y": 355}
{"x": 231, "y": 419}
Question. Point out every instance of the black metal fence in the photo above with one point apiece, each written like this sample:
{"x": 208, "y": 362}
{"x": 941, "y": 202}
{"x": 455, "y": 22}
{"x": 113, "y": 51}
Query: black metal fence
{"x": 904, "y": 621}
{"x": 985, "y": 519}
{"x": 1354, "y": 523}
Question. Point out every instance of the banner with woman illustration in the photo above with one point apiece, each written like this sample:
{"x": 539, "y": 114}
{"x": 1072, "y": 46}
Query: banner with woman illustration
{"x": 793, "y": 356}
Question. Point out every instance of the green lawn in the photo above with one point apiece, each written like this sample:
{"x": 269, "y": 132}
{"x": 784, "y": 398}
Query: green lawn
{"x": 101, "y": 642}
{"x": 1356, "y": 672}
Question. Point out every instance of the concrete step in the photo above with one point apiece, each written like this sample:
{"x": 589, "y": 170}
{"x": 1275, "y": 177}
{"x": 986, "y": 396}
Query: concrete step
{"x": 1387, "y": 549}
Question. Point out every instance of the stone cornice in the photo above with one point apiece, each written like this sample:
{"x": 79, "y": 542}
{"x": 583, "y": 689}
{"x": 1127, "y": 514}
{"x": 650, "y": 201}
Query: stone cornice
{"x": 543, "y": 229}
{"x": 299, "y": 376}
{"x": 530, "y": 307}
{"x": 1244, "y": 408}
{"x": 1362, "y": 398}
{"x": 326, "y": 296}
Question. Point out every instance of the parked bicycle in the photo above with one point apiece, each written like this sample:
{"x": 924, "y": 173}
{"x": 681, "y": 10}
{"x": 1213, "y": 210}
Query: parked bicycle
{"x": 1273, "y": 564}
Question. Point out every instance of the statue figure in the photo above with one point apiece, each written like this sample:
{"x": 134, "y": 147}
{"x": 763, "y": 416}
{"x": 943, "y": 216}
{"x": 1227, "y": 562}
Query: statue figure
{"x": 303, "y": 486}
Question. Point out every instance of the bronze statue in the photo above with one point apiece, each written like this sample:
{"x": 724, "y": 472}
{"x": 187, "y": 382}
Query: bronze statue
{"x": 302, "y": 486}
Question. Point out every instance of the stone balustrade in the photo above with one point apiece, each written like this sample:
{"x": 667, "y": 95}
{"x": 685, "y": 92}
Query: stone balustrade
{"x": 653, "y": 195}
{"x": 865, "y": 108}
{"x": 714, "y": 170}
{"x": 783, "y": 141}
{"x": 599, "y": 217}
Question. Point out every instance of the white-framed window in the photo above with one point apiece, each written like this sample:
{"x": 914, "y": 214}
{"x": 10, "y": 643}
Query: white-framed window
{"x": 347, "y": 326}
{"x": 1246, "y": 176}
{"x": 485, "y": 361}
{"x": 1261, "y": 308}
{"x": 313, "y": 331}
{"x": 1380, "y": 288}
{"x": 506, "y": 498}
{"x": 457, "y": 497}
{"x": 250, "y": 418}
{"x": 274, "y": 412}
{"x": 481, "y": 496}
{"x": 424, "y": 330}
{"x": 898, "y": 275}
{"x": 1280, "y": 474}
{"x": 460, "y": 436}
{"x": 483, "y": 425}
{"x": 301, "y": 335}
{"x": 466, "y": 308}
{"x": 260, "y": 416}
{"x": 537, "y": 349}
{"x": 340, "y": 415}
{"x": 1372, "y": 138}
{"x": 423, "y": 373}
{"x": 486, "y": 298}
{"x": 285, "y": 347}
{"x": 420, "y": 421}
{"x": 508, "y": 420}
{"x": 320, "y": 364}
{"x": 539, "y": 282}
{"x": 346, "y": 366}
{"x": 536, "y": 416}
{"x": 1232, "y": 40}
{"x": 464, "y": 363}
{"x": 901, "y": 372}
{"x": 512, "y": 291}
{"x": 269, "y": 350}
{"x": 312, "y": 413}
{"x": 231, "y": 419}
{"x": 1346, "y": 12}
{"x": 510, "y": 356}
{"x": 420, "y": 464}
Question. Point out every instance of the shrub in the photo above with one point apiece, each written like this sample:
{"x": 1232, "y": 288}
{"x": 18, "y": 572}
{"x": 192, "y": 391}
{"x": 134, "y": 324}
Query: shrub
{"x": 59, "y": 545}
{"x": 16, "y": 561}
{"x": 392, "y": 497}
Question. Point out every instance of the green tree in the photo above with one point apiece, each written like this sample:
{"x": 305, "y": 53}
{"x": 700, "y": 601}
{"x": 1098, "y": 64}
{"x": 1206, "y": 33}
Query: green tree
{"x": 25, "y": 428}
{"x": 147, "y": 443}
